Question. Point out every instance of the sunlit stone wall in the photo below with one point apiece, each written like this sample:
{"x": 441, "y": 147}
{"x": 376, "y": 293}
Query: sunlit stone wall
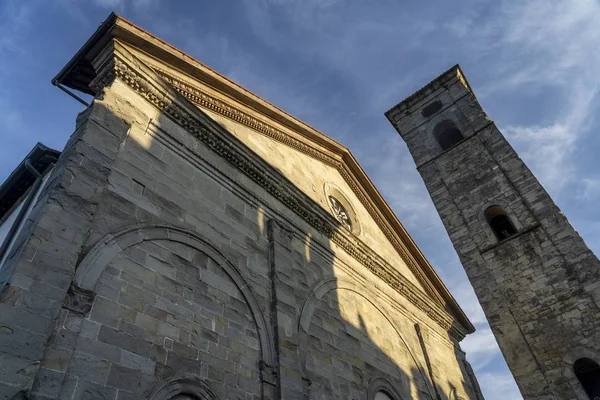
{"x": 159, "y": 269}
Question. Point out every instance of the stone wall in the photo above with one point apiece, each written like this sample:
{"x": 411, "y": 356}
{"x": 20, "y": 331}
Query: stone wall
{"x": 538, "y": 288}
{"x": 158, "y": 266}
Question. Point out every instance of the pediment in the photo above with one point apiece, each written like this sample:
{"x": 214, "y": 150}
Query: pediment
{"x": 212, "y": 91}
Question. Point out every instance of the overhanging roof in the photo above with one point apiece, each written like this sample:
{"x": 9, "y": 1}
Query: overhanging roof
{"x": 20, "y": 180}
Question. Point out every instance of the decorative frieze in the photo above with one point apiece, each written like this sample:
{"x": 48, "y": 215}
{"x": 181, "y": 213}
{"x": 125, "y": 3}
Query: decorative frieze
{"x": 202, "y": 99}
{"x": 164, "y": 99}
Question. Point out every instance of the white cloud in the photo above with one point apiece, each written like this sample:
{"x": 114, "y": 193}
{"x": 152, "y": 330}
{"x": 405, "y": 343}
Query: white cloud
{"x": 547, "y": 150}
{"x": 465, "y": 296}
{"x": 16, "y": 17}
{"x": 498, "y": 386}
{"x": 551, "y": 44}
{"x": 590, "y": 189}
{"x": 481, "y": 347}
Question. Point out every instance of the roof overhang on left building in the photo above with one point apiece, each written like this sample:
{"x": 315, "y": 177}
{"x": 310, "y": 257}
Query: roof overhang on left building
{"x": 79, "y": 72}
{"x": 21, "y": 179}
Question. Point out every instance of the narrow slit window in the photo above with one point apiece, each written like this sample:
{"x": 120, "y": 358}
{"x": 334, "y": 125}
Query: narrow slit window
{"x": 447, "y": 134}
{"x": 588, "y": 373}
{"x": 499, "y": 222}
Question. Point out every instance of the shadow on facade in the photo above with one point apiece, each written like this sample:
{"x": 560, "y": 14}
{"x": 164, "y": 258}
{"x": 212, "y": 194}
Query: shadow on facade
{"x": 195, "y": 278}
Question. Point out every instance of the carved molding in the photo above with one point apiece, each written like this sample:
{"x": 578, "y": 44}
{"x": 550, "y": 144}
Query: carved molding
{"x": 95, "y": 261}
{"x": 190, "y": 385}
{"x": 78, "y": 300}
{"x": 197, "y": 96}
{"x": 202, "y": 99}
{"x": 382, "y": 385}
{"x": 326, "y": 285}
{"x": 148, "y": 85}
{"x": 268, "y": 373}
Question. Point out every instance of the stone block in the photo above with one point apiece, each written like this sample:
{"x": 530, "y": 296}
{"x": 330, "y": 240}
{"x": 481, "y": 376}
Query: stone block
{"x": 92, "y": 391}
{"x": 48, "y": 383}
{"x": 129, "y": 379}
{"x": 90, "y": 367}
{"x": 21, "y": 343}
{"x": 137, "y": 362}
{"x": 126, "y": 342}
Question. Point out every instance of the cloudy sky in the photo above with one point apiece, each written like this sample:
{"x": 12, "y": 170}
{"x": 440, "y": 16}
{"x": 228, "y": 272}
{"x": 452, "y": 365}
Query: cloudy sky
{"x": 339, "y": 65}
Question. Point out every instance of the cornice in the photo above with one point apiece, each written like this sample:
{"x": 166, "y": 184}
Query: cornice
{"x": 165, "y": 98}
{"x": 453, "y": 74}
{"x": 205, "y": 100}
{"x": 82, "y": 69}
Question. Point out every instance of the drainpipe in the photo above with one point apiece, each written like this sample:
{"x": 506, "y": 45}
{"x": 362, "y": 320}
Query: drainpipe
{"x": 23, "y": 211}
{"x": 56, "y": 83}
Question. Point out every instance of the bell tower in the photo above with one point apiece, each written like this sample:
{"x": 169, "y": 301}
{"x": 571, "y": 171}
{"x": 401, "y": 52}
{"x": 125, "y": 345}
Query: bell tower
{"x": 537, "y": 281}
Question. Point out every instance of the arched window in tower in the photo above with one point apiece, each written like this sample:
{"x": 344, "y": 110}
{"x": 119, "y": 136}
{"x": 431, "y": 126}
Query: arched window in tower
{"x": 499, "y": 222}
{"x": 588, "y": 373}
{"x": 447, "y": 134}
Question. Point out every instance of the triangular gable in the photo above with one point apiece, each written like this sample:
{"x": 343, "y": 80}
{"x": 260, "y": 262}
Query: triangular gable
{"x": 212, "y": 91}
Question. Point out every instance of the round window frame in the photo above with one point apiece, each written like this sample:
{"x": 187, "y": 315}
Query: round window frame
{"x": 332, "y": 190}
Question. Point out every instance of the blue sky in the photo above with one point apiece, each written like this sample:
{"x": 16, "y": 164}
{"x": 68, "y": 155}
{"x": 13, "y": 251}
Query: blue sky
{"x": 339, "y": 65}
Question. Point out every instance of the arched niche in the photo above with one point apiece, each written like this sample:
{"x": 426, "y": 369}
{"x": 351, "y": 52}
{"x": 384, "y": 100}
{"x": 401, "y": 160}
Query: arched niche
{"x": 508, "y": 211}
{"x": 382, "y": 389}
{"x": 499, "y": 222}
{"x": 183, "y": 388}
{"x": 327, "y": 285}
{"x": 94, "y": 263}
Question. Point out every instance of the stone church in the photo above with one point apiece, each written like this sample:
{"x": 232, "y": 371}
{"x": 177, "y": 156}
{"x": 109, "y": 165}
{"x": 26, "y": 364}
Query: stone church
{"x": 193, "y": 241}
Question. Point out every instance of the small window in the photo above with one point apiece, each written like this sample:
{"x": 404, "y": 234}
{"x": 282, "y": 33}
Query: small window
{"x": 499, "y": 222}
{"x": 588, "y": 373}
{"x": 431, "y": 109}
{"x": 447, "y": 134}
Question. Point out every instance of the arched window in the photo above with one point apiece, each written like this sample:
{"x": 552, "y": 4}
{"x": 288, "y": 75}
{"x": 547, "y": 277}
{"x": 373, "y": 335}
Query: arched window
{"x": 588, "y": 373}
{"x": 183, "y": 388}
{"x": 499, "y": 222}
{"x": 447, "y": 134}
{"x": 382, "y": 396}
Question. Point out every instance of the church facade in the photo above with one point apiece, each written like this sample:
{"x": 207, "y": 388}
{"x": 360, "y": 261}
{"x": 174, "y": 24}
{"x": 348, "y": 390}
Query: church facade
{"x": 193, "y": 241}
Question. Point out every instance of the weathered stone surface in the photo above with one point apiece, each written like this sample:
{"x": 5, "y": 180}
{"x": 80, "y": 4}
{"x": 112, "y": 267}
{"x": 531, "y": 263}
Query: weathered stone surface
{"x": 208, "y": 253}
{"x": 537, "y": 285}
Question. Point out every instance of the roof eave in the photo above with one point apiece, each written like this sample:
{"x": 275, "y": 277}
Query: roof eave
{"x": 66, "y": 76}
